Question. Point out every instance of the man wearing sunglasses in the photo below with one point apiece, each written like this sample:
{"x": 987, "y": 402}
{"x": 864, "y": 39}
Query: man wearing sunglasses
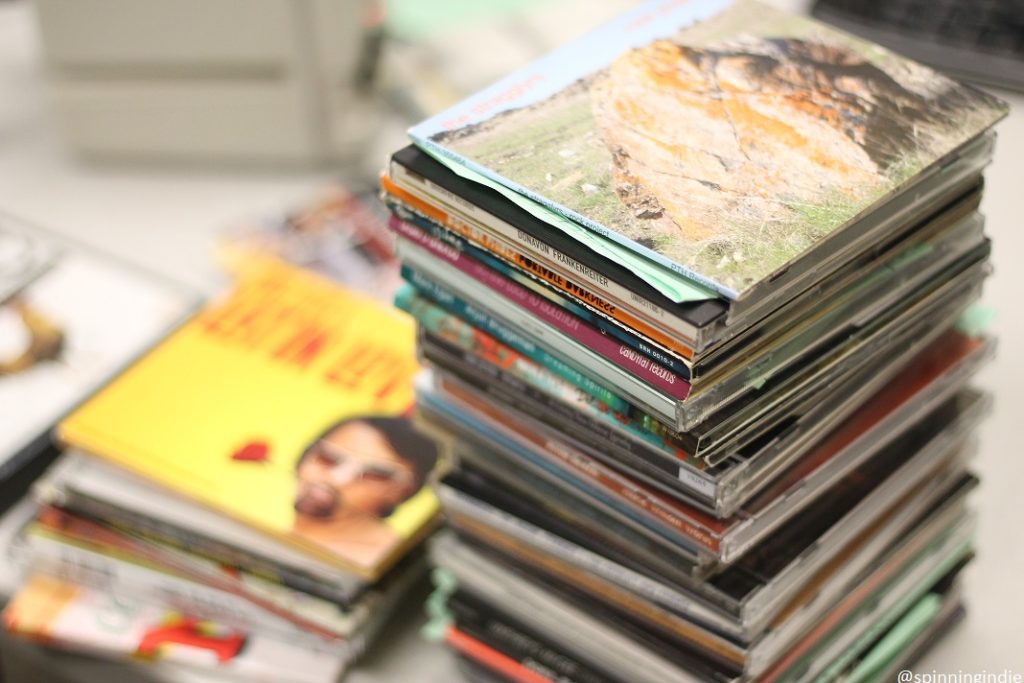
{"x": 352, "y": 477}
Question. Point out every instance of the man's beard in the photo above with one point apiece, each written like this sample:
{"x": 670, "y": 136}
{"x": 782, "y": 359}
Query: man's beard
{"x": 318, "y": 501}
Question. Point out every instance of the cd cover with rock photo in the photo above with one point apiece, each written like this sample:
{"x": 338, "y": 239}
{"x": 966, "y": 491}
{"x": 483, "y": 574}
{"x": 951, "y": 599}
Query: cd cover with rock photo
{"x": 722, "y": 140}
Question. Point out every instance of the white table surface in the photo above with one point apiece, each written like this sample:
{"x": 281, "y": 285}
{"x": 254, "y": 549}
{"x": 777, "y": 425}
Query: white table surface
{"x": 165, "y": 220}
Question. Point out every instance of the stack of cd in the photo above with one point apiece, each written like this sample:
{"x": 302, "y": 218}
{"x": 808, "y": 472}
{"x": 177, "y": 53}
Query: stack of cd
{"x": 698, "y": 289}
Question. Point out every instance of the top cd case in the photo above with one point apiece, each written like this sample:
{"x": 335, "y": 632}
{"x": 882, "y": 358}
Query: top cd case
{"x": 726, "y": 146}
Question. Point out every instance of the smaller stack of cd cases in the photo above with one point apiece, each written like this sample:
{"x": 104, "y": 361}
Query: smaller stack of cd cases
{"x": 698, "y": 291}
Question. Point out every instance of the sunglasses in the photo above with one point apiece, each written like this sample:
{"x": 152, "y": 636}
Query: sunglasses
{"x": 361, "y": 466}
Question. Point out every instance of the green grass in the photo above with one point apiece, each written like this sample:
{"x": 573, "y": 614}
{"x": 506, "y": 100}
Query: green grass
{"x": 555, "y": 155}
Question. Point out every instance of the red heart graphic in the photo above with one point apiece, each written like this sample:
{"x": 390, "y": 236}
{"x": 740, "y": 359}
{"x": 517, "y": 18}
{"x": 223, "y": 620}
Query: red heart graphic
{"x": 254, "y": 451}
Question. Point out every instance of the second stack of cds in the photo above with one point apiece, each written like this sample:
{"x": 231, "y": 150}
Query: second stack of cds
{"x": 761, "y": 476}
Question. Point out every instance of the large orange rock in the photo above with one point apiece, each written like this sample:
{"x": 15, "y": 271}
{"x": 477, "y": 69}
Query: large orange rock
{"x": 709, "y": 140}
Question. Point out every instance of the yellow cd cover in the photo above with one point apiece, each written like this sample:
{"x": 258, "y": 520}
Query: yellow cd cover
{"x": 284, "y": 405}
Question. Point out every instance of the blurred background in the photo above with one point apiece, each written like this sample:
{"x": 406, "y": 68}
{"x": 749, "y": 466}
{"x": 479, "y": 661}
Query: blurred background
{"x": 150, "y": 129}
